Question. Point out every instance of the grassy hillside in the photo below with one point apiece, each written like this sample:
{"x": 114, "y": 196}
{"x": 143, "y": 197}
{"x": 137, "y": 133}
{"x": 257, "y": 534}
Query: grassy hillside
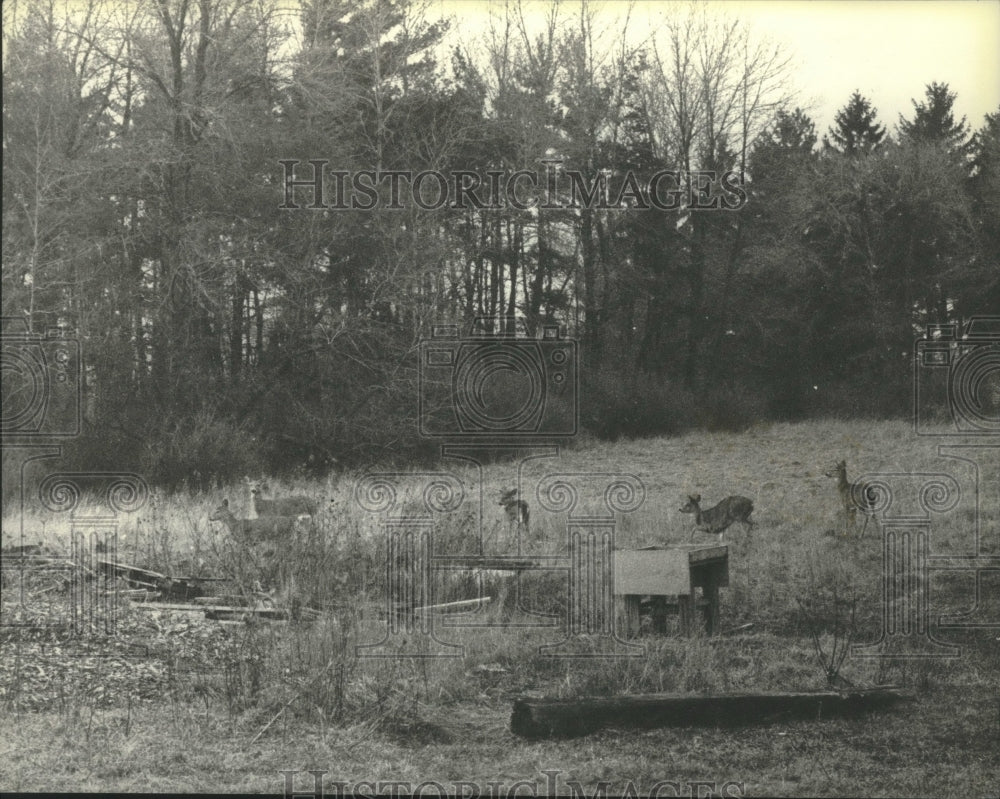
{"x": 305, "y": 700}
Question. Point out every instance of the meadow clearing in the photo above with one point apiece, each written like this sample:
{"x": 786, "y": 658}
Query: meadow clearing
{"x": 167, "y": 702}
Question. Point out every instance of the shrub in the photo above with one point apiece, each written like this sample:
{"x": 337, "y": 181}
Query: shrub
{"x": 203, "y": 451}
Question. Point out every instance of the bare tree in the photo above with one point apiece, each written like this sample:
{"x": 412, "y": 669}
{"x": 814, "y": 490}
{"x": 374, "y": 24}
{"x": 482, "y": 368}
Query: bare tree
{"x": 714, "y": 89}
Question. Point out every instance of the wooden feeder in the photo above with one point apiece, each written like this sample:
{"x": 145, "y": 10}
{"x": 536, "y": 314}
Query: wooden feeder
{"x": 670, "y": 576}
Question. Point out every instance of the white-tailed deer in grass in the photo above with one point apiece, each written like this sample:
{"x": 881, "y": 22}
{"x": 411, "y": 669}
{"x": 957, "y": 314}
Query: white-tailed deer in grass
{"x": 854, "y": 497}
{"x": 284, "y": 506}
{"x": 516, "y": 510}
{"x": 717, "y": 519}
{"x": 267, "y": 527}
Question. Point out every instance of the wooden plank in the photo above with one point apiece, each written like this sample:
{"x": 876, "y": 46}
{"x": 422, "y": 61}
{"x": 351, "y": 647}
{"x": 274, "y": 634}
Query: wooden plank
{"x": 457, "y": 605}
{"x": 719, "y": 552}
{"x": 216, "y": 600}
{"x": 235, "y": 614}
{"x": 652, "y": 571}
{"x": 711, "y": 607}
{"x": 627, "y": 610}
{"x": 686, "y": 613}
{"x": 168, "y": 606}
{"x": 188, "y": 608}
{"x": 127, "y": 570}
{"x": 544, "y": 718}
{"x": 135, "y": 594}
{"x": 499, "y": 563}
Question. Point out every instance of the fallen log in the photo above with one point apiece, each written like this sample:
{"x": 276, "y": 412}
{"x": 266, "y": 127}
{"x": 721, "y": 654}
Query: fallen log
{"x": 565, "y": 718}
{"x": 133, "y": 574}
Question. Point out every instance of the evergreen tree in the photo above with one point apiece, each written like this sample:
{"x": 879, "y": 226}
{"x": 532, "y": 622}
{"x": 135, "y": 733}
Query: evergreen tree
{"x": 784, "y": 149}
{"x": 934, "y": 122}
{"x": 781, "y": 156}
{"x": 981, "y": 290}
{"x": 856, "y": 129}
{"x": 791, "y": 131}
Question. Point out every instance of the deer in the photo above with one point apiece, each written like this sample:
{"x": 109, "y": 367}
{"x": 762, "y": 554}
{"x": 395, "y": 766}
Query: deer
{"x": 285, "y": 506}
{"x": 717, "y": 519}
{"x": 516, "y": 509}
{"x": 266, "y": 527}
{"x": 853, "y": 497}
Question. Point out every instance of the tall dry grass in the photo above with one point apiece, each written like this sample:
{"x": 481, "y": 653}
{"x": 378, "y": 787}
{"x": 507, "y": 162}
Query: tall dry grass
{"x": 792, "y": 578}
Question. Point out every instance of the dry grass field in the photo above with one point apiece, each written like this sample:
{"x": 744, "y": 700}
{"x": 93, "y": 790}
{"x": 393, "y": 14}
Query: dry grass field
{"x": 170, "y": 702}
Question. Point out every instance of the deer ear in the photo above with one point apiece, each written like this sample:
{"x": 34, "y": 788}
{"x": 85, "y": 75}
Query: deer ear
{"x": 696, "y": 498}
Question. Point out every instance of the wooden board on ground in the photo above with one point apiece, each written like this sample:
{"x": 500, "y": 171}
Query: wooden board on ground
{"x": 555, "y": 718}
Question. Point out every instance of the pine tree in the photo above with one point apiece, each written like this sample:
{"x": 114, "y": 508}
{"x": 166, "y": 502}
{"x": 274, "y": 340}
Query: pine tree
{"x": 781, "y": 151}
{"x": 982, "y": 284}
{"x": 856, "y": 129}
{"x": 791, "y": 131}
{"x": 934, "y": 122}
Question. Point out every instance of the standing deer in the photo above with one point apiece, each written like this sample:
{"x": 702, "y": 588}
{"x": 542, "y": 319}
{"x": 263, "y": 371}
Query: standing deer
{"x": 269, "y": 527}
{"x": 516, "y": 510}
{"x": 717, "y": 519}
{"x": 853, "y": 497}
{"x": 284, "y": 506}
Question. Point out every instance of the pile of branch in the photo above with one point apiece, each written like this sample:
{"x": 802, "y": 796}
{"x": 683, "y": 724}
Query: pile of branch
{"x": 144, "y": 585}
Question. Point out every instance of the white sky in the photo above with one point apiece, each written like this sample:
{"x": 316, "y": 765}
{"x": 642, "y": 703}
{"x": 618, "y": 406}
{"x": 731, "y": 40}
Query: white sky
{"x": 888, "y": 50}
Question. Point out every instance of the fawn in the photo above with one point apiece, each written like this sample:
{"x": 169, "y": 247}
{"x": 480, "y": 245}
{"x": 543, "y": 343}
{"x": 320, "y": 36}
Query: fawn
{"x": 285, "y": 506}
{"x": 854, "y": 496}
{"x": 717, "y": 519}
{"x": 516, "y": 509}
{"x": 253, "y": 529}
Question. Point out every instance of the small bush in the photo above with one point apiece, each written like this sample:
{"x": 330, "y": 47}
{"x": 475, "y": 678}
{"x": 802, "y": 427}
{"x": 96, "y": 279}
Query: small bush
{"x": 202, "y": 452}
